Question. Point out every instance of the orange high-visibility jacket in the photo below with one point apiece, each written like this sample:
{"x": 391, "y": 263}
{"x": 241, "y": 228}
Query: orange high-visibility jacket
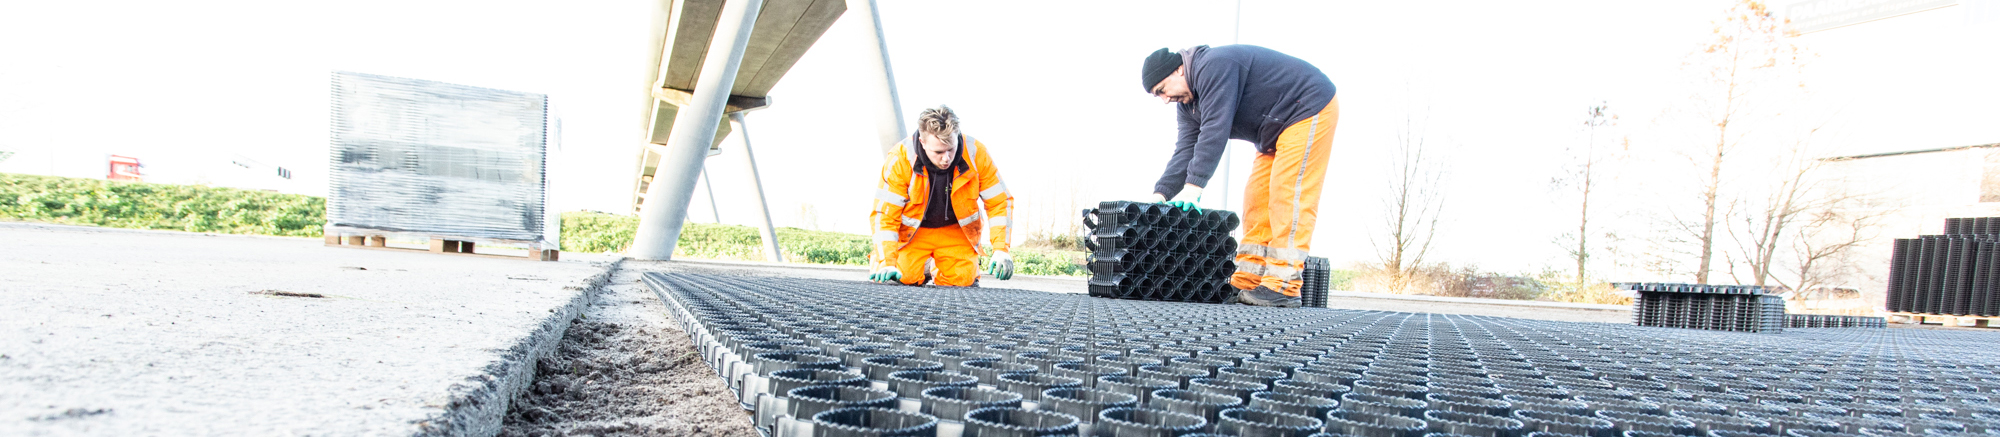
{"x": 900, "y": 200}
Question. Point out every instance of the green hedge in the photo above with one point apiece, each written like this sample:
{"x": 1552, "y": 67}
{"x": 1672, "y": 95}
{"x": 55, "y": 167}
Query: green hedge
{"x": 1048, "y": 262}
{"x": 191, "y": 208}
{"x": 598, "y": 232}
{"x": 141, "y": 205}
{"x": 820, "y": 247}
{"x": 1341, "y": 279}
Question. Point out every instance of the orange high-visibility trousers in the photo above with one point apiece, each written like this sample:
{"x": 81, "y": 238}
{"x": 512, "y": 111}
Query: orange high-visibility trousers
{"x": 957, "y": 262}
{"x": 1281, "y": 204}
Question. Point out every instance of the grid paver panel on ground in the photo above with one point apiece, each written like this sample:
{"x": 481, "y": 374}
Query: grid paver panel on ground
{"x": 1522, "y": 375}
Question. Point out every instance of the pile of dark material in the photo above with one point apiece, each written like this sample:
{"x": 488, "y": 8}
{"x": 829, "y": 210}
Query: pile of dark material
{"x": 1826, "y": 321}
{"x": 1951, "y": 274}
{"x": 1151, "y": 251}
{"x": 1740, "y": 308}
{"x": 1317, "y": 276}
{"x": 817, "y": 357}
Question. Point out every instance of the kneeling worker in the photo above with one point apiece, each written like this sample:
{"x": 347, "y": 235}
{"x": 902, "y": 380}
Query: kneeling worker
{"x": 927, "y": 210}
{"x": 1288, "y": 109}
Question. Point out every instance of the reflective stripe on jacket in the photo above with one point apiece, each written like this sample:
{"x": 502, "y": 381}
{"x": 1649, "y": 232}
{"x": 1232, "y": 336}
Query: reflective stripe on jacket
{"x": 904, "y": 192}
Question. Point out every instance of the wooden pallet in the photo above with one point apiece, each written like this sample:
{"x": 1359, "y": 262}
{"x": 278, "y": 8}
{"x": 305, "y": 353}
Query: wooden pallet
{"x": 438, "y": 244}
{"x": 1946, "y": 320}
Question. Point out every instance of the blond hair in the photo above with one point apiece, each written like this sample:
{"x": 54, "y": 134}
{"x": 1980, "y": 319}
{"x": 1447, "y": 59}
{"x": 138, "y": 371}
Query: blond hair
{"x": 940, "y": 122}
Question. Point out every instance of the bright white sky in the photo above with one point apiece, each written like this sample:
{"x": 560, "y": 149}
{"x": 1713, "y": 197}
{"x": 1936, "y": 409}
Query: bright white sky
{"x": 1050, "y": 86}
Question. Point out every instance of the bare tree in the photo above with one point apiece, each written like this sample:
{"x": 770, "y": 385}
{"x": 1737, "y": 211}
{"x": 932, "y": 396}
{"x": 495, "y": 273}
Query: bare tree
{"x": 1412, "y": 207}
{"x": 1822, "y": 251}
{"x": 1751, "y": 52}
{"x": 1766, "y": 227}
{"x": 1807, "y": 219}
{"x": 1664, "y": 246}
{"x": 1582, "y": 176}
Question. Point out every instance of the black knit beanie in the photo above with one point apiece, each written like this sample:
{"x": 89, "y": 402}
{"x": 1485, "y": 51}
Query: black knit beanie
{"x": 1158, "y": 66}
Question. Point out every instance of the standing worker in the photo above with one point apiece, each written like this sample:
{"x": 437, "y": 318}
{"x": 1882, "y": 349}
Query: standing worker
{"x": 927, "y": 210}
{"x": 1288, "y": 109}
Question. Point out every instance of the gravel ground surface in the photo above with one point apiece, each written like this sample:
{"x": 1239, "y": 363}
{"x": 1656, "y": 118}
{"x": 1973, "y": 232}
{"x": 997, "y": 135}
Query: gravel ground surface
{"x": 124, "y": 332}
{"x": 625, "y": 369}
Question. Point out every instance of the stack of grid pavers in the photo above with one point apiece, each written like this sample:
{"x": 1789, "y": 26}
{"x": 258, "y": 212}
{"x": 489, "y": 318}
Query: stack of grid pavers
{"x": 1152, "y": 251}
{"x": 1317, "y": 275}
{"x": 1952, "y": 274}
{"x": 1738, "y": 308}
{"x": 1826, "y": 321}
{"x": 848, "y": 358}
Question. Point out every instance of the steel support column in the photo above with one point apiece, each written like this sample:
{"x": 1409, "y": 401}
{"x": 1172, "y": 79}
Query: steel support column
{"x": 771, "y": 250}
{"x": 709, "y": 184}
{"x": 665, "y": 210}
{"x": 880, "y": 86}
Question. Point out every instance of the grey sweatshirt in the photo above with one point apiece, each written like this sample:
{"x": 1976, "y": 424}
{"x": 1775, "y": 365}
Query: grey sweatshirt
{"x": 1241, "y": 92}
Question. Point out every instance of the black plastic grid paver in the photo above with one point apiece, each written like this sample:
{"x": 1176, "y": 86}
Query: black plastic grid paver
{"x": 1152, "y": 251}
{"x": 1710, "y": 307}
{"x": 1473, "y": 374}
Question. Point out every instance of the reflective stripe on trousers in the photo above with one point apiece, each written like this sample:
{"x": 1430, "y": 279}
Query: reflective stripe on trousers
{"x": 1281, "y": 204}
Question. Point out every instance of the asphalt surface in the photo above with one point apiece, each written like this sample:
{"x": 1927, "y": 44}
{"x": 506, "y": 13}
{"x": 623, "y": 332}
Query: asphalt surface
{"x": 121, "y": 332}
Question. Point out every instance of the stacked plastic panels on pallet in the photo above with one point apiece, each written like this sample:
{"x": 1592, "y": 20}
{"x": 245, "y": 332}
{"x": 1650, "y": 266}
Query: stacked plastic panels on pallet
{"x": 845, "y": 358}
{"x": 1826, "y": 321}
{"x": 1738, "y": 308}
{"x": 1952, "y": 274}
{"x": 430, "y": 158}
{"x": 1318, "y": 275}
{"x": 1151, "y": 251}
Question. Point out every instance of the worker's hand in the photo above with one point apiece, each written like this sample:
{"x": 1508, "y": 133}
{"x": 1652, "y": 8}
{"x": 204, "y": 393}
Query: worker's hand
{"x": 886, "y": 275}
{"x": 1187, "y": 199}
{"x": 1002, "y": 266}
{"x": 1157, "y": 198}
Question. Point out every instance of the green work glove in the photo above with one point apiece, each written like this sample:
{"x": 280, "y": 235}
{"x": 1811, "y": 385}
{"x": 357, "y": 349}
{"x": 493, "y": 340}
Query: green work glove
{"x": 886, "y": 275}
{"x": 1001, "y": 266}
{"x": 1186, "y": 199}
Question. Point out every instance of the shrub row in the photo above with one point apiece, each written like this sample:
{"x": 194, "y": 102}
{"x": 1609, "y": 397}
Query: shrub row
{"x": 141, "y": 205}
